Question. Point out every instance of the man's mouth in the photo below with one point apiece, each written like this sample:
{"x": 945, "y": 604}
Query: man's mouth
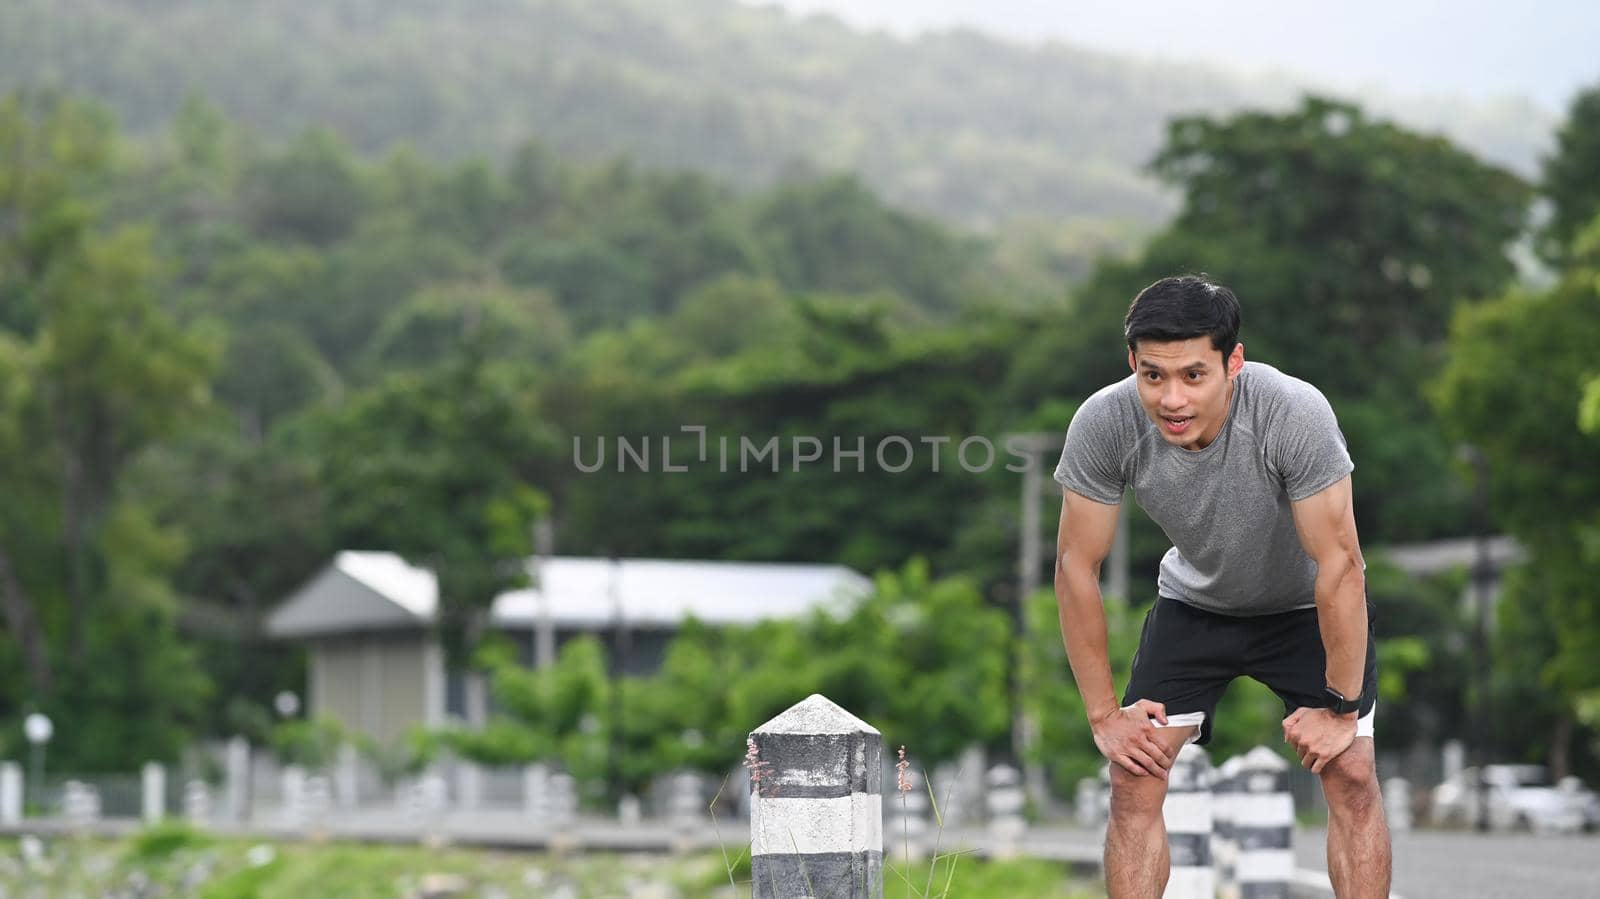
{"x": 1176, "y": 424}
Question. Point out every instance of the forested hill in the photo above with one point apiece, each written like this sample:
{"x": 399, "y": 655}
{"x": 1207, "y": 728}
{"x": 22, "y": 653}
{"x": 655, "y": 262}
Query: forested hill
{"x": 959, "y": 124}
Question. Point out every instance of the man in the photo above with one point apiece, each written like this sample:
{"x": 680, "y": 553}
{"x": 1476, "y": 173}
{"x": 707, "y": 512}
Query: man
{"x": 1245, "y": 470}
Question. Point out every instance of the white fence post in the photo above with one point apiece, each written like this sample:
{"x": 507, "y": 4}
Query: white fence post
{"x": 816, "y": 815}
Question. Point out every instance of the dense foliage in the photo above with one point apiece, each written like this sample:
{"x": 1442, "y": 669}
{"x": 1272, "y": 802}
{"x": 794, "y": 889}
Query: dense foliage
{"x": 960, "y": 124}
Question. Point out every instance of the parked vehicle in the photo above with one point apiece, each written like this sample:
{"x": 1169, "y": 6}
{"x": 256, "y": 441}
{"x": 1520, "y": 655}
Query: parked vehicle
{"x": 1520, "y": 797}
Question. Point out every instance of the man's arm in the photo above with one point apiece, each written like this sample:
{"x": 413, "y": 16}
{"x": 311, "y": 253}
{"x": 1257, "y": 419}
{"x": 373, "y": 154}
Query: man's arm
{"x": 1326, "y": 522}
{"x": 1124, "y": 736}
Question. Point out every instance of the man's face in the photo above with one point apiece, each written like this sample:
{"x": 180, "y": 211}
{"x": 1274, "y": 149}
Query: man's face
{"x": 1185, "y": 386}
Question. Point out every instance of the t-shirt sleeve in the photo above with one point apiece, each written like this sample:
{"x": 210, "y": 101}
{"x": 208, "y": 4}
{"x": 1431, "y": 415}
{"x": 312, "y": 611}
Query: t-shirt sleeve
{"x": 1091, "y": 459}
{"x": 1307, "y": 448}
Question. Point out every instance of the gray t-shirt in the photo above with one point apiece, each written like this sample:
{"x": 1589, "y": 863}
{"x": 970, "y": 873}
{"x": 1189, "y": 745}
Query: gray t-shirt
{"x": 1225, "y": 508}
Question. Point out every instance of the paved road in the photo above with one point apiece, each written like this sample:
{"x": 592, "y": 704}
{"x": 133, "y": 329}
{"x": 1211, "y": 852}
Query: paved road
{"x": 1452, "y": 865}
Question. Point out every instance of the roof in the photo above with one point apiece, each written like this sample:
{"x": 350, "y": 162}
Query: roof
{"x": 364, "y": 591}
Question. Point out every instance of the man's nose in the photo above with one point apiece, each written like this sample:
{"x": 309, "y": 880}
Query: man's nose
{"x": 1172, "y": 398}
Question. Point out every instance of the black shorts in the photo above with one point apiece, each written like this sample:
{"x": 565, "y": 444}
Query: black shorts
{"x": 1188, "y": 656}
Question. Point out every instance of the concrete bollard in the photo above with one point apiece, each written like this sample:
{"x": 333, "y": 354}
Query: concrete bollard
{"x": 1088, "y": 805}
{"x": 1006, "y": 823}
{"x": 346, "y": 777}
{"x": 469, "y": 785}
{"x": 425, "y": 800}
{"x": 685, "y": 805}
{"x": 563, "y": 799}
{"x": 1225, "y": 787}
{"x": 816, "y": 814}
{"x": 237, "y": 785}
{"x": 10, "y": 793}
{"x": 1263, "y": 824}
{"x": 80, "y": 805}
{"x": 947, "y": 792}
{"x": 318, "y": 800}
{"x": 292, "y": 811}
{"x": 153, "y": 792}
{"x": 1397, "y": 803}
{"x": 1187, "y": 813}
{"x": 197, "y": 803}
{"x": 536, "y": 793}
{"x": 905, "y": 813}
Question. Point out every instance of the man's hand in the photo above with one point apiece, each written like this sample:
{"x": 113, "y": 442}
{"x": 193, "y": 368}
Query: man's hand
{"x": 1128, "y": 738}
{"x": 1318, "y": 735}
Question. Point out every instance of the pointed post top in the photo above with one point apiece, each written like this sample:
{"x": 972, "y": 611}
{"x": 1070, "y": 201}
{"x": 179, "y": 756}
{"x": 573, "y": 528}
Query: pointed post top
{"x": 816, "y": 714}
{"x": 1261, "y": 758}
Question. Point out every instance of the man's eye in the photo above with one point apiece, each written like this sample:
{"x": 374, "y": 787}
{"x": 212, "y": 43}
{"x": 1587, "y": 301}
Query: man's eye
{"x": 1194, "y": 376}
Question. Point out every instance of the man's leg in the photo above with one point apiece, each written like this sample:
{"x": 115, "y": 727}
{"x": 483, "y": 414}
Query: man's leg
{"x": 1136, "y": 862}
{"x": 1359, "y": 857}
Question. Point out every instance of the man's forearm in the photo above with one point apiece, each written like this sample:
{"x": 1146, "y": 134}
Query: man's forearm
{"x": 1083, "y": 631}
{"x": 1341, "y": 593}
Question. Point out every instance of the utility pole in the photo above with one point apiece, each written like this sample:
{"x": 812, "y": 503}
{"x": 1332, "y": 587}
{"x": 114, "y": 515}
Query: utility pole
{"x": 544, "y": 636}
{"x": 1483, "y": 576}
{"x": 619, "y": 653}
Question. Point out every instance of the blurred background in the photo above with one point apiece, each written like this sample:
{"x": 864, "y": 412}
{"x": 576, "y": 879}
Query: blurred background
{"x": 306, "y": 311}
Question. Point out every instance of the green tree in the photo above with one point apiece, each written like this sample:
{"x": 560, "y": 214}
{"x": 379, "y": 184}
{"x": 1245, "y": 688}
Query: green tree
{"x": 98, "y": 372}
{"x": 1570, "y": 179}
{"x": 440, "y": 466}
{"x": 1518, "y": 370}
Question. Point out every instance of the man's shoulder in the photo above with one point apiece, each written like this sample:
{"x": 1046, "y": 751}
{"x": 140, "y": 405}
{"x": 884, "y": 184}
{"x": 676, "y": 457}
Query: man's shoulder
{"x": 1272, "y": 388}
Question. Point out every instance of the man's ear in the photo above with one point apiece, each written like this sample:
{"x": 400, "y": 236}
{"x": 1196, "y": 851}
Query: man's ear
{"x": 1133, "y": 365}
{"x": 1236, "y": 360}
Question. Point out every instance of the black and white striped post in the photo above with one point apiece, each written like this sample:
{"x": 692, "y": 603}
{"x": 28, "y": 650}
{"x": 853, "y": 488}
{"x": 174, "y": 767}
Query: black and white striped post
{"x": 816, "y": 812}
{"x": 1187, "y": 814}
{"x": 1263, "y": 826}
{"x": 1225, "y": 787}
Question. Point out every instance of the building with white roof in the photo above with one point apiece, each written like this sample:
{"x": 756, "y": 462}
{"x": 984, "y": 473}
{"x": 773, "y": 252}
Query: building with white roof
{"x": 375, "y": 665}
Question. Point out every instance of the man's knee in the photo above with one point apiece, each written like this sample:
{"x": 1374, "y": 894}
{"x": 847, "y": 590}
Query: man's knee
{"x": 1135, "y": 795}
{"x": 1350, "y": 782}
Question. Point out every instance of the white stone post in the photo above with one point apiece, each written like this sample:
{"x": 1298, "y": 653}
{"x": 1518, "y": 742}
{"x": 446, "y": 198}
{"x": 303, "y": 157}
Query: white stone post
{"x": 816, "y": 815}
{"x": 153, "y": 792}
{"x": 1006, "y": 801}
{"x": 10, "y": 793}
{"x": 1397, "y": 803}
{"x": 346, "y": 777}
{"x": 1263, "y": 819}
{"x": 1187, "y": 813}
{"x": 237, "y": 786}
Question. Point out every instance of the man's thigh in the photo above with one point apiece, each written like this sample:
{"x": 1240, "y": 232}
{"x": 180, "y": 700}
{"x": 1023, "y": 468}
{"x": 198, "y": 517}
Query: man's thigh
{"x": 1286, "y": 653}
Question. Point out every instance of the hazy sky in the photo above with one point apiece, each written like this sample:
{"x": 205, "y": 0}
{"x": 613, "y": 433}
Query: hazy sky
{"x": 1478, "y": 49}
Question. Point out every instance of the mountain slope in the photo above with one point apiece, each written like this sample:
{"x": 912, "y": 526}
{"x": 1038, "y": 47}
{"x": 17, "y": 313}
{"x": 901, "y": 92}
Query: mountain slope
{"x": 960, "y": 124}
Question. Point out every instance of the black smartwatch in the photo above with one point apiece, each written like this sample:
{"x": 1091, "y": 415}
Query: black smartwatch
{"x": 1338, "y": 704}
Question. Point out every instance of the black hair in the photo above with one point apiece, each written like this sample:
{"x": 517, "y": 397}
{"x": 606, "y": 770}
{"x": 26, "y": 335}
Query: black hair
{"x": 1183, "y": 308}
